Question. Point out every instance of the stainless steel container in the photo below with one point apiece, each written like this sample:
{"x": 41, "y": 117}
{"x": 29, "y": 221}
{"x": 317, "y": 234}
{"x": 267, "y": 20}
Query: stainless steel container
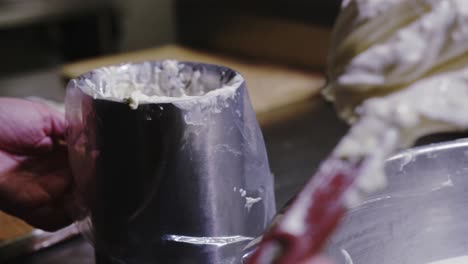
{"x": 179, "y": 180}
{"x": 421, "y": 216}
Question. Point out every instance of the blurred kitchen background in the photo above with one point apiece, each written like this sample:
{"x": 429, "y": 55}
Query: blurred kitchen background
{"x": 38, "y": 36}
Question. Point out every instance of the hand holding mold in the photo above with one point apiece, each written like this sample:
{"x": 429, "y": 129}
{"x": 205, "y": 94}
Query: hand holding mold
{"x": 34, "y": 172}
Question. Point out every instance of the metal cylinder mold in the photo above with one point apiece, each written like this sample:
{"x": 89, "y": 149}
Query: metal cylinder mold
{"x": 169, "y": 163}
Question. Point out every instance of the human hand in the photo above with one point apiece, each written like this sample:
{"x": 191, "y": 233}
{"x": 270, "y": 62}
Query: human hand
{"x": 34, "y": 173}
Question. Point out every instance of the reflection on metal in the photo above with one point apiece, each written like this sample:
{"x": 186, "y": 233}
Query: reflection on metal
{"x": 458, "y": 260}
{"x": 347, "y": 257}
{"x": 215, "y": 241}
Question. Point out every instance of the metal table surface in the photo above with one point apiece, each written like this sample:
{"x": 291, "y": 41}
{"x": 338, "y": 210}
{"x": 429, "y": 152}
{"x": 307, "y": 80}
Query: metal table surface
{"x": 295, "y": 146}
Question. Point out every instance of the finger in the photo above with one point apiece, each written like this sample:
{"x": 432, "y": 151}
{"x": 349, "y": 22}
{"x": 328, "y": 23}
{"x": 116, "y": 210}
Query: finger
{"x": 21, "y": 193}
{"x": 58, "y": 124}
{"x": 54, "y": 125}
{"x": 29, "y": 127}
{"x": 55, "y": 181}
{"x": 47, "y": 218}
{"x": 37, "y": 182}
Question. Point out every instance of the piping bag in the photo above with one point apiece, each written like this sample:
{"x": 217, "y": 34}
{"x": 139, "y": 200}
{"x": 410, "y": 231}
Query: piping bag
{"x": 397, "y": 71}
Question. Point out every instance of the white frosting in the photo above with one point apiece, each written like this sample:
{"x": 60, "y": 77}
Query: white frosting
{"x": 250, "y": 201}
{"x": 397, "y": 79}
{"x": 172, "y": 82}
{"x": 374, "y": 56}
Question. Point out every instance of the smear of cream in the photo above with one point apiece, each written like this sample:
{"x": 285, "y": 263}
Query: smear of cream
{"x": 250, "y": 201}
{"x": 457, "y": 260}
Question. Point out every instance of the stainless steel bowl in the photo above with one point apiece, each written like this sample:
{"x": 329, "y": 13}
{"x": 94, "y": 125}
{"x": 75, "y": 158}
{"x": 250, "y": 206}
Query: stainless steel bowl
{"x": 419, "y": 218}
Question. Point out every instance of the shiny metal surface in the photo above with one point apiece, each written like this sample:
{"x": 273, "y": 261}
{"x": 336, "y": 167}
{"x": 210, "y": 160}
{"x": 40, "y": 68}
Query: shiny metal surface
{"x": 155, "y": 187}
{"x": 419, "y": 218}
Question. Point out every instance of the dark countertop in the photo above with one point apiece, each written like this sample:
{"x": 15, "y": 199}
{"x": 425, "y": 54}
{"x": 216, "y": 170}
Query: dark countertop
{"x": 295, "y": 146}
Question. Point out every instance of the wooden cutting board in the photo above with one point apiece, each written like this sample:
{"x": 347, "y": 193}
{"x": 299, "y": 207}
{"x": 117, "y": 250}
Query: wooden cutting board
{"x": 270, "y": 86}
{"x": 11, "y": 228}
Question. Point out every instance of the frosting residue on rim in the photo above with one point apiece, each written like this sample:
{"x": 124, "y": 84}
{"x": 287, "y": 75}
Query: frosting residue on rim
{"x": 168, "y": 82}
